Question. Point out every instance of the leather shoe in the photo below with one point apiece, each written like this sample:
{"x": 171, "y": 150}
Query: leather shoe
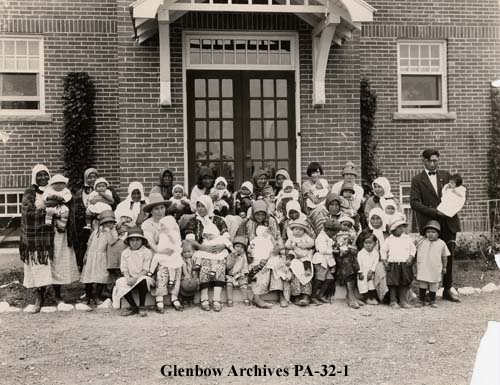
{"x": 449, "y": 296}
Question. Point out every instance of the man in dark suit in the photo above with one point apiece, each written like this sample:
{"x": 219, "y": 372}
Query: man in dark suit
{"x": 425, "y": 196}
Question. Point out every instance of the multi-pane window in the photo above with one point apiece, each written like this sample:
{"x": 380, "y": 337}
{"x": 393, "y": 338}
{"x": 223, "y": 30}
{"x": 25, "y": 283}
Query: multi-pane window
{"x": 21, "y": 74}
{"x": 422, "y": 76}
{"x": 404, "y": 201}
{"x": 240, "y": 51}
{"x": 10, "y": 202}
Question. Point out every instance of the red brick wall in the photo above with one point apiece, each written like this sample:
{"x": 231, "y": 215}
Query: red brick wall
{"x": 78, "y": 36}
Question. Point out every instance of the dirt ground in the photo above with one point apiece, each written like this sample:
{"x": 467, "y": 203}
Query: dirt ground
{"x": 378, "y": 344}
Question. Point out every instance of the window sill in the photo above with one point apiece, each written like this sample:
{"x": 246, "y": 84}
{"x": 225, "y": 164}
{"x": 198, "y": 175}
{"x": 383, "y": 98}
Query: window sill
{"x": 35, "y": 117}
{"x": 424, "y": 116}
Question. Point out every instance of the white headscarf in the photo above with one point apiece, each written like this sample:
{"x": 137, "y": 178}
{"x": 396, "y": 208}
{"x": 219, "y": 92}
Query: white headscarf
{"x": 219, "y": 180}
{"x": 379, "y": 233}
{"x": 294, "y": 205}
{"x": 176, "y": 187}
{"x": 128, "y": 206}
{"x": 386, "y": 185}
{"x": 38, "y": 168}
{"x": 248, "y": 185}
{"x": 206, "y": 201}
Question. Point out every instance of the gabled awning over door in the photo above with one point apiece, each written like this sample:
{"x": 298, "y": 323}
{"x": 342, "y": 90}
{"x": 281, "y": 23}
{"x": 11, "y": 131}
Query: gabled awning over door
{"x": 333, "y": 21}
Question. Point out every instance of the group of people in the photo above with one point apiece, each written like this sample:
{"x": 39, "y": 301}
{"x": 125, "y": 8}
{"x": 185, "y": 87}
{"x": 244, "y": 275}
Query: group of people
{"x": 300, "y": 243}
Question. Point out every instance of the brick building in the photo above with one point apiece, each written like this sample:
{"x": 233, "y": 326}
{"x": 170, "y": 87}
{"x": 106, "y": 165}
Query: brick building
{"x": 242, "y": 84}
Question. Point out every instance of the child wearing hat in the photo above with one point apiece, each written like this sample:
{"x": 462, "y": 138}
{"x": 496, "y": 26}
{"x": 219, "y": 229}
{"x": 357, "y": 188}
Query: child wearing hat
{"x": 300, "y": 249}
{"x": 324, "y": 262}
{"x": 244, "y": 199}
{"x": 134, "y": 265}
{"x": 397, "y": 255}
{"x": 95, "y": 269}
{"x": 180, "y": 203}
{"x": 100, "y": 199}
{"x": 432, "y": 256}
{"x": 56, "y": 197}
{"x": 287, "y": 193}
{"x": 237, "y": 271}
{"x": 223, "y": 204}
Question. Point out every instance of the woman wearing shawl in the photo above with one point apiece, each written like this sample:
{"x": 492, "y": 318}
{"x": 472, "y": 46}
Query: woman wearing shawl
{"x": 135, "y": 202}
{"x": 261, "y": 186}
{"x": 281, "y": 175}
{"x": 274, "y": 274}
{"x": 205, "y": 217}
{"x": 164, "y": 187}
{"x": 203, "y": 186}
{"x": 382, "y": 193}
{"x": 292, "y": 214}
{"x": 81, "y": 198}
{"x": 331, "y": 210}
{"x": 48, "y": 255}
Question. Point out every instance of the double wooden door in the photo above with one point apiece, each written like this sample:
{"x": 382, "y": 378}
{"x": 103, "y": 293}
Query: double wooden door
{"x": 239, "y": 121}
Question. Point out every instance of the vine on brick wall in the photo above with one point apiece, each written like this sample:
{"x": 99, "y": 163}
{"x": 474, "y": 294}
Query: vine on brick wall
{"x": 369, "y": 168}
{"x": 79, "y": 129}
{"x": 494, "y": 152}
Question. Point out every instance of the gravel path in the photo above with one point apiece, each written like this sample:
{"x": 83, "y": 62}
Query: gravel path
{"x": 380, "y": 345}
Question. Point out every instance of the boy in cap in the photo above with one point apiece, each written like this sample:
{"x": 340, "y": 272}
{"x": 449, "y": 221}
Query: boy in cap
{"x": 432, "y": 256}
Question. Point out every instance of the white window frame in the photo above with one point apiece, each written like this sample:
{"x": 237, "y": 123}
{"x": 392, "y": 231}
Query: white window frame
{"x": 441, "y": 72}
{"x": 406, "y": 206}
{"x": 40, "y": 78}
{"x": 5, "y": 192}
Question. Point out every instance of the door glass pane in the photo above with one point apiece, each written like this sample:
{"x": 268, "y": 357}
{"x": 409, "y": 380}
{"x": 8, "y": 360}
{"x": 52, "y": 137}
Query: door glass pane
{"x": 255, "y": 129}
{"x": 201, "y": 150}
{"x": 227, "y": 108}
{"x": 200, "y": 109}
{"x": 228, "y": 172}
{"x": 228, "y": 150}
{"x": 199, "y": 88}
{"x": 269, "y": 129}
{"x": 214, "y": 150}
{"x": 254, "y": 88}
{"x": 268, "y": 85}
{"x": 213, "y": 88}
{"x": 281, "y": 88}
{"x": 281, "y": 108}
{"x": 269, "y": 109}
{"x": 214, "y": 129}
{"x": 213, "y": 108}
{"x": 227, "y": 88}
{"x": 270, "y": 169}
{"x": 282, "y": 128}
{"x": 201, "y": 129}
{"x": 282, "y": 150}
{"x": 21, "y": 48}
{"x": 269, "y": 150}
{"x": 227, "y": 129}
{"x": 255, "y": 111}
{"x": 256, "y": 150}
{"x": 283, "y": 164}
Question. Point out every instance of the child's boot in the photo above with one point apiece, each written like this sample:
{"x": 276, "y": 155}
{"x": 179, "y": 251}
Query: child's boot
{"x": 403, "y": 297}
{"x": 229, "y": 295}
{"x": 394, "y": 297}
{"x": 351, "y": 299}
{"x": 432, "y": 295}
{"x": 40, "y": 294}
{"x": 160, "y": 308}
{"x": 421, "y": 297}
{"x": 259, "y": 302}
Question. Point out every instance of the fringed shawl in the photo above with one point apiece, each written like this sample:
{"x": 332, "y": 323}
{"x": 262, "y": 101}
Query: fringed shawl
{"x": 37, "y": 239}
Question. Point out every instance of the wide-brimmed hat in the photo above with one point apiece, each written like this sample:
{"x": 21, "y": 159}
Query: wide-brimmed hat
{"x": 432, "y": 224}
{"x": 330, "y": 224}
{"x": 135, "y": 232}
{"x": 189, "y": 287}
{"x": 106, "y": 216}
{"x": 240, "y": 240}
{"x": 349, "y": 168}
{"x": 156, "y": 199}
{"x": 58, "y": 178}
{"x": 397, "y": 219}
{"x": 299, "y": 223}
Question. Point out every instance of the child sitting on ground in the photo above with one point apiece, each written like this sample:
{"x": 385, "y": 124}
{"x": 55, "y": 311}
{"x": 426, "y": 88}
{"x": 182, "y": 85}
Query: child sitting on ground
{"x": 368, "y": 257}
{"x": 452, "y": 196}
{"x": 211, "y": 236}
{"x": 324, "y": 262}
{"x": 100, "y": 200}
{"x": 222, "y": 204}
{"x": 56, "y": 196}
{"x": 189, "y": 279}
{"x": 432, "y": 257}
{"x": 134, "y": 265}
{"x": 397, "y": 254}
{"x": 244, "y": 199}
{"x": 287, "y": 193}
{"x": 237, "y": 271}
{"x": 320, "y": 190}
